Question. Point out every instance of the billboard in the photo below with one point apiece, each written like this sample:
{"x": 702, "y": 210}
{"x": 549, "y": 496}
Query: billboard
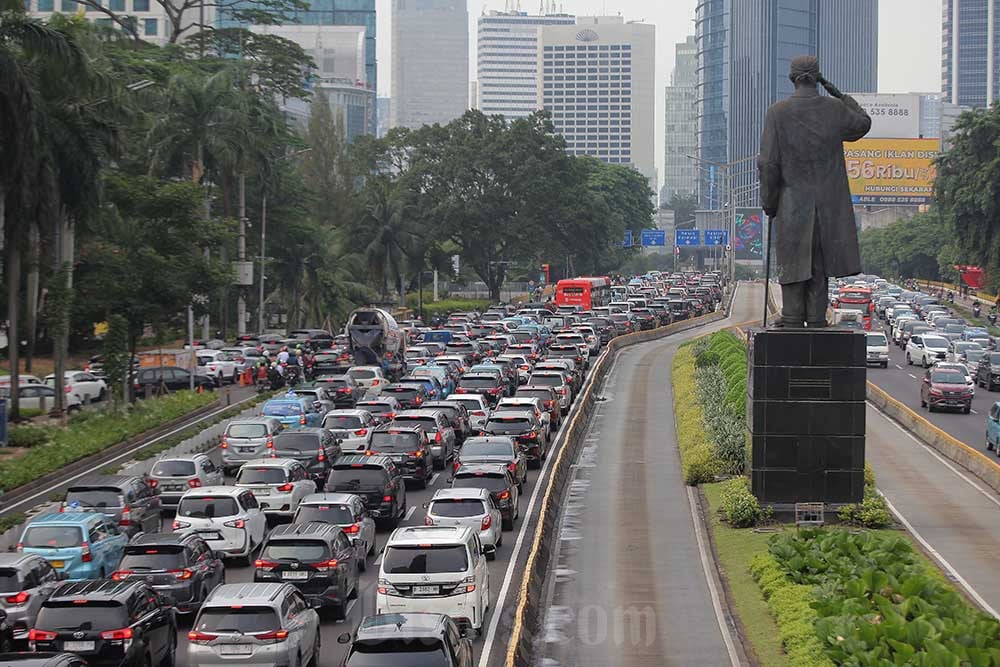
{"x": 892, "y": 171}
{"x": 749, "y": 233}
{"x": 893, "y": 116}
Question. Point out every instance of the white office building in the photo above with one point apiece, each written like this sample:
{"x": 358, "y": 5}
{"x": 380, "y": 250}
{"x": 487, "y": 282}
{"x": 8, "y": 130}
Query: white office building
{"x": 430, "y": 61}
{"x": 148, "y": 18}
{"x": 507, "y": 61}
{"x": 680, "y": 171}
{"x": 597, "y": 81}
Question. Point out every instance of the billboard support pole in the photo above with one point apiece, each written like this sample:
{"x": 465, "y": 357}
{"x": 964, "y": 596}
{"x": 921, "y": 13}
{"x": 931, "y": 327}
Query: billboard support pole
{"x": 767, "y": 271}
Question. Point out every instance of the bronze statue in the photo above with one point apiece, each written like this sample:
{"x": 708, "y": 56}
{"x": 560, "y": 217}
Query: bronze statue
{"x": 804, "y": 189}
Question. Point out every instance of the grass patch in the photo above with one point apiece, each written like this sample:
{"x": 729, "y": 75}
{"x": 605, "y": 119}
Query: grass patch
{"x": 698, "y": 461}
{"x": 735, "y": 549}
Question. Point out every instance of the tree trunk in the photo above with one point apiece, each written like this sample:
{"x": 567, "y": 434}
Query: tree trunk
{"x": 63, "y": 253}
{"x": 12, "y": 263}
{"x": 31, "y": 295}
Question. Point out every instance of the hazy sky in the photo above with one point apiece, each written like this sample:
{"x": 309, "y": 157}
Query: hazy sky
{"x": 909, "y": 40}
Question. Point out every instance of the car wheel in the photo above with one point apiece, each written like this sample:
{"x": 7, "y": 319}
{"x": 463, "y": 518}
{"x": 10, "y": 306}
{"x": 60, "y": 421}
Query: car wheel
{"x": 6, "y": 646}
{"x": 491, "y": 555}
{"x": 506, "y": 525}
{"x": 909, "y": 361}
{"x": 171, "y": 657}
{"x": 249, "y": 557}
{"x": 885, "y": 364}
{"x": 930, "y": 408}
{"x": 923, "y": 403}
{"x": 363, "y": 563}
{"x": 967, "y": 409}
{"x": 102, "y": 395}
{"x": 926, "y": 364}
{"x": 989, "y": 445}
{"x": 235, "y": 378}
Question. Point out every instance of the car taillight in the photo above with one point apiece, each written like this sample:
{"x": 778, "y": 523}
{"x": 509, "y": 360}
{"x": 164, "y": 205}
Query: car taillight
{"x": 387, "y": 499}
{"x": 302, "y": 420}
{"x": 85, "y": 554}
{"x": 437, "y": 437}
{"x": 504, "y": 495}
{"x": 235, "y": 523}
{"x": 276, "y": 636}
{"x": 419, "y": 453}
{"x": 270, "y": 443}
{"x": 353, "y": 529}
{"x": 487, "y": 522}
{"x": 19, "y": 599}
{"x": 563, "y": 391}
{"x": 196, "y": 637}
{"x": 40, "y": 635}
{"x": 121, "y": 575}
{"x": 375, "y": 382}
{"x": 320, "y": 455}
{"x": 264, "y": 565}
{"x": 478, "y": 413}
{"x": 418, "y": 400}
{"x": 512, "y": 466}
{"x": 525, "y": 367}
{"x": 225, "y": 442}
{"x": 68, "y": 389}
{"x": 184, "y": 574}
{"x": 194, "y": 483}
{"x": 361, "y": 432}
{"x": 327, "y": 565}
{"x": 456, "y": 464}
{"x": 285, "y": 488}
{"x": 153, "y": 483}
{"x": 124, "y": 633}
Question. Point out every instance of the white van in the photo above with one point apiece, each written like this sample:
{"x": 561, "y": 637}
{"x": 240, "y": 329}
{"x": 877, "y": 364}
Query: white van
{"x": 436, "y": 569}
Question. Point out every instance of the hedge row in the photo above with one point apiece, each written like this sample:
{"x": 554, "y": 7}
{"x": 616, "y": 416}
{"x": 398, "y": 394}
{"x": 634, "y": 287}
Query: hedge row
{"x": 727, "y": 352}
{"x": 445, "y": 307}
{"x": 92, "y": 432}
{"x": 699, "y": 463}
{"x": 872, "y": 512}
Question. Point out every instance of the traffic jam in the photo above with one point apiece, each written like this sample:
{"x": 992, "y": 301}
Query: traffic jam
{"x": 367, "y": 506}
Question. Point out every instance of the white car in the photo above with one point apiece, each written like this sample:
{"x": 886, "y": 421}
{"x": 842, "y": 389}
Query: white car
{"x": 370, "y": 378}
{"x": 22, "y": 379}
{"x": 588, "y": 333}
{"x": 346, "y": 510}
{"x": 468, "y": 507}
{"x": 218, "y": 365}
{"x": 85, "y": 386}
{"x": 479, "y": 409}
{"x": 279, "y": 485}
{"x": 243, "y": 356}
{"x": 926, "y": 349}
{"x": 877, "y": 349}
{"x": 436, "y": 569}
{"x": 228, "y": 518}
{"x": 41, "y": 397}
{"x": 352, "y": 427}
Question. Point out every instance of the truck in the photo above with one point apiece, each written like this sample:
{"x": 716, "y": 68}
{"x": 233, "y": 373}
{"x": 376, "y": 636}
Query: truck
{"x": 375, "y": 339}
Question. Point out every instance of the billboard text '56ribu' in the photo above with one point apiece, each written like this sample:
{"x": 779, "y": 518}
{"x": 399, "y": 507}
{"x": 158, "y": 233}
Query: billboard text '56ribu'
{"x": 892, "y": 171}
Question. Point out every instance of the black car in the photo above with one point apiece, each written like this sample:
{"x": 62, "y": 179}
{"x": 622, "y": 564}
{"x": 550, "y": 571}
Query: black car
{"x": 41, "y": 659}
{"x": 679, "y": 309}
{"x": 457, "y": 414}
{"x": 316, "y": 557}
{"x": 162, "y": 379}
{"x": 180, "y": 566}
{"x": 525, "y": 429}
{"x": 331, "y": 362}
{"x": 472, "y": 349}
{"x": 127, "y": 500}
{"x": 408, "y": 447}
{"x": 988, "y": 371}
{"x": 343, "y": 389}
{"x": 377, "y": 479}
{"x": 409, "y": 395}
{"x": 491, "y": 387}
{"x": 107, "y": 622}
{"x": 6, "y": 633}
{"x": 498, "y": 480}
{"x": 315, "y": 448}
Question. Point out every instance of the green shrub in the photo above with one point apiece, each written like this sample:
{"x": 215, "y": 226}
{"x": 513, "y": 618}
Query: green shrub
{"x": 698, "y": 461}
{"x": 446, "y": 306}
{"x": 723, "y": 423}
{"x": 28, "y": 436}
{"x": 738, "y": 506}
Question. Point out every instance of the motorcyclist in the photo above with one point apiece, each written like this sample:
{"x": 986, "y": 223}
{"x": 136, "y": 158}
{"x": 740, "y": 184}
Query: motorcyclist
{"x": 275, "y": 376}
{"x": 976, "y": 309}
{"x": 261, "y": 377}
{"x": 283, "y": 355}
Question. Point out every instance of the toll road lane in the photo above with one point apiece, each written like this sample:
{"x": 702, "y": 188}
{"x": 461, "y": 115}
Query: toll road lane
{"x": 630, "y": 587}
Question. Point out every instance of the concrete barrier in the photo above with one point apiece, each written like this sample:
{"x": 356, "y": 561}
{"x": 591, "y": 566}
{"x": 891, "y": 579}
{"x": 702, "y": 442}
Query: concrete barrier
{"x": 531, "y": 596}
{"x": 969, "y": 458}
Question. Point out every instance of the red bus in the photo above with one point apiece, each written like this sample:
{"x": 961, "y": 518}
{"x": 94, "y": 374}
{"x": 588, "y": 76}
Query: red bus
{"x": 587, "y": 293}
{"x": 857, "y": 298}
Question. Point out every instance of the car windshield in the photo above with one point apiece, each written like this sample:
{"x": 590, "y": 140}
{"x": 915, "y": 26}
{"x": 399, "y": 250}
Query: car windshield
{"x": 487, "y": 448}
{"x": 52, "y": 537}
{"x": 96, "y": 498}
{"x": 425, "y": 559}
{"x": 339, "y": 515}
{"x": 543, "y": 394}
{"x": 261, "y": 476}
{"x": 974, "y": 355}
{"x": 342, "y": 422}
{"x": 935, "y": 343}
{"x": 404, "y": 392}
{"x": 477, "y": 383}
{"x": 948, "y": 377}
{"x": 397, "y": 441}
{"x": 173, "y": 469}
{"x": 302, "y": 550}
{"x": 141, "y": 557}
{"x": 456, "y": 508}
{"x": 82, "y": 616}
{"x": 282, "y": 409}
{"x": 472, "y": 404}
{"x": 353, "y": 479}
{"x": 995, "y": 358}
{"x": 199, "y": 507}
{"x": 374, "y": 408}
{"x": 361, "y": 374}
{"x": 247, "y": 431}
{"x": 298, "y": 442}
{"x": 480, "y": 481}
{"x": 9, "y": 581}
{"x": 237, "y": 620}
{"x": 508, "y": 424}
{"x": 546, "y": 380}
{"x": 877, "y": 340}
{"x": 426, "y": 422}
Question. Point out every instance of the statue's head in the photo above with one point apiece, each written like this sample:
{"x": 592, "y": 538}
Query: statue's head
{"x": 804, "y": 70}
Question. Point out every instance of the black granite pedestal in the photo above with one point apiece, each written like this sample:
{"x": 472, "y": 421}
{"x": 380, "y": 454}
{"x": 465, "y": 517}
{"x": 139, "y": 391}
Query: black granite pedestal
{"x": 806, "y": 415}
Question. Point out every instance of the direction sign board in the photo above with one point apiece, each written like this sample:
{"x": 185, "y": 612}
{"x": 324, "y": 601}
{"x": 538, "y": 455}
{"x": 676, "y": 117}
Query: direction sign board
{"x": 651, "y": 238}
{"x": 627, "y": 242}
{"x": 716, "y": 236}
{"x": 687, "y": 237}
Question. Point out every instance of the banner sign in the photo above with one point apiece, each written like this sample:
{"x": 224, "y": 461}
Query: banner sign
{"x": 716, "y": 237}
{"x": 890, "y": 172}
{"x": 650, "y": 238}
{"x": 687, "y": 237}
{"x": 894, "y": 115}
{"x": 749, "y": 233}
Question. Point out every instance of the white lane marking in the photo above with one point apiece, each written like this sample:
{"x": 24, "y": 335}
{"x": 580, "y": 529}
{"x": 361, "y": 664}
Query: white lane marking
{"x": 898, "y": 366}
{"x": 974, "y": 412}
{"x": 912, "y": 376}
{"x": 941, "y": 559}
{"x": 713, "y": 591}
{"x": 930, "y": 450}
{"x": 409, "y": 512}
{"x": 434, "y": 478}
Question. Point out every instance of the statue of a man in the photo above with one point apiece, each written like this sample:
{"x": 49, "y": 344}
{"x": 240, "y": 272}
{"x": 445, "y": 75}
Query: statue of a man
{"x": 803, "y": 187}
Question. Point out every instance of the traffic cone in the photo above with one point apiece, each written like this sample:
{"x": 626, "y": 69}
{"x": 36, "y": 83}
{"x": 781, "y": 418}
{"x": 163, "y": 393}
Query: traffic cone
{"x": 201, "y": 389}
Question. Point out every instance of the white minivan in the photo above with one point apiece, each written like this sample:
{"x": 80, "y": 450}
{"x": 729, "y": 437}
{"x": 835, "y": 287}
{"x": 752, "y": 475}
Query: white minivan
{"x": 468, "y": 507}
{"x": 877, "y": 349}
{"x": 228, "y": 518}
{"x": 436, "y": 569}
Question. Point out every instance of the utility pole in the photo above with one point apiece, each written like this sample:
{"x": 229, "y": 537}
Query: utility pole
{"x": 263, "y": 240}
{"x": 241, "y": 257}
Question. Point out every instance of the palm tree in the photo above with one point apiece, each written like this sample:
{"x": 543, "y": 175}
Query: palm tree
{"x": 388, "y": 233}
{"x": 25, "y": 46}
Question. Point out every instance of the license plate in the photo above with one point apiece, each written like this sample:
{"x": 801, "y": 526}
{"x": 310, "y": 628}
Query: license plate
{"x": 262, "y": 492}
{"x": 57, "y": 563}
{"x": 75, "y": 647}
{"x": 425, "y": 590}
{"x": 210, "y": 534}
{"x": 399, "y": 459}
{"x": 295, "y": 575}
{"x": 247, "y": 450}
{"x": 235, "y": 649}
{"x": 172, "y": 487}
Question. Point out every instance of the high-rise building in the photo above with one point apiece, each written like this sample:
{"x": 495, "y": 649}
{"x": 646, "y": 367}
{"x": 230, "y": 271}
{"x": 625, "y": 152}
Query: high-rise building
{"x": 970, "y": 52}
{"x": 339, "y": 54}
{"x": 681, "y": 124}
{"x": 507, "y": 63}
{"x": 744, "y": 51}
{"x": 430, "y": 61}
{"x": 597, "y": 81}
{"x": 148, "y": 17}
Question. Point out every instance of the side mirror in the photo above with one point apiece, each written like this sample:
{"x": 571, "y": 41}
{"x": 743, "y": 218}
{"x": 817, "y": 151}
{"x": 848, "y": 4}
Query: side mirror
{"x": 425, "y": 505}
{"x": 344, "y": 638}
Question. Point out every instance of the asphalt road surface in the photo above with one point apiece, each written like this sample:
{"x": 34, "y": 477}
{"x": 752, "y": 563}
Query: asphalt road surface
{"x": 630, "y": 587}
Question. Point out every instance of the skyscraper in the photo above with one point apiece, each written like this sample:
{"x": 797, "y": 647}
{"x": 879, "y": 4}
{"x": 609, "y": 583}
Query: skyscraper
{"x": 744, "y": 50}
{"x": 507, "y": 62}
{"x": 597, "y": 81}
{"x": 681, "y": 124}
{"x": 430, "y": 61}
{"x": 970, "y": 52}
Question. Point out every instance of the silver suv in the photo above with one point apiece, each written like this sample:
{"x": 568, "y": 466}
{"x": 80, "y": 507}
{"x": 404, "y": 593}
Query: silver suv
{"x": 171, "y": 476}
{"x": 248, "y": 439}
{"x": 254, "y": 624}
{"x": 26, "y": 581}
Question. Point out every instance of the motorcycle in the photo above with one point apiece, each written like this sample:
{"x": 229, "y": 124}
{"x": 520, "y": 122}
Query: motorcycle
{"x": 976, "y": 310}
